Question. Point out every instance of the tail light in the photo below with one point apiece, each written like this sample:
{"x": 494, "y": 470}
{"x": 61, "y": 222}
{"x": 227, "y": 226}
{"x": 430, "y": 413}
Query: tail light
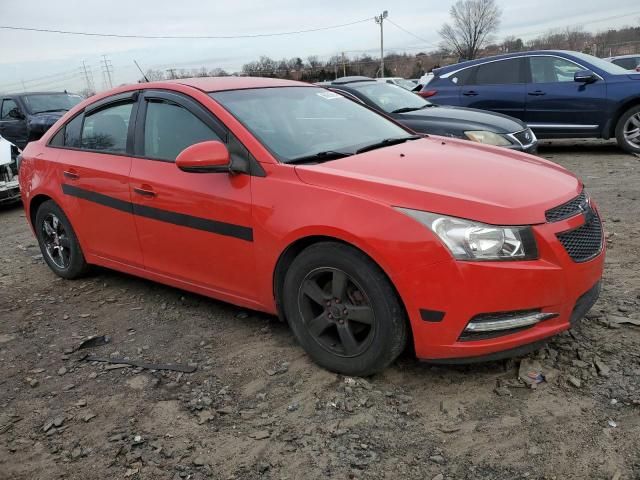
{"x": 427, "y": 93}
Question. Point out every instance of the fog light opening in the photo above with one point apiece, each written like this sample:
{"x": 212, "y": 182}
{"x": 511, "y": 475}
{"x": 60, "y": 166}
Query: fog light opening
{"x": 493, "y": 323}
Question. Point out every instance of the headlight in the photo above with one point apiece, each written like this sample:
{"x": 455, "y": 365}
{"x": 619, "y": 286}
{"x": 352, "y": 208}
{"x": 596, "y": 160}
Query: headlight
{"x": 488, "y": 138}
{"x": 469, "y": 240}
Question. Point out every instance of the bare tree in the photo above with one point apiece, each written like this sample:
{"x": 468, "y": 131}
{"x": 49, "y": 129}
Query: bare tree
{"x": 473, "y": 22}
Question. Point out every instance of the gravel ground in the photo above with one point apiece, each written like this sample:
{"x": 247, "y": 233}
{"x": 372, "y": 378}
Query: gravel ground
{"x": 256, "y": 407}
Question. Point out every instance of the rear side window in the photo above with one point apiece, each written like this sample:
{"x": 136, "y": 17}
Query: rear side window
{"x": 463, "y": 76}
{"x": 170, "y": 128}
{"x": 106, "y": 130}
{"x": 499, "y": 73}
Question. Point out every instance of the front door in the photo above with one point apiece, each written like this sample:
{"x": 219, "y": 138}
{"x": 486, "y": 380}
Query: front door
{"x": 557, "y": 105}
{"x": 498, "y": 86}
{"x": 13, "y": 124}
{"x": 194, "y": 227}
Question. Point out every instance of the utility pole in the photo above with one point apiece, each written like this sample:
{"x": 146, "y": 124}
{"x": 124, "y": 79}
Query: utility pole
{"x": 380, "y": 21}
{"x": 344, "y": 66}
{"x": 88, "y": 78}
{"x": 107, "y": 70}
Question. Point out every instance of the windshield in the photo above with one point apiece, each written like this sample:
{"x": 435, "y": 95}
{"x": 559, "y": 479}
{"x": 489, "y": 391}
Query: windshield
{"x": 50, "y": 102}
{"x": 294, "y": 122}
{"x": 390, "y": 97}
{"x": 608, "y": 67}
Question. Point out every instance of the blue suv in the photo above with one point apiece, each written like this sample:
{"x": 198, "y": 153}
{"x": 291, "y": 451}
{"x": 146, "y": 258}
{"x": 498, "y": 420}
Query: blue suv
{"x": 559, "y": 94}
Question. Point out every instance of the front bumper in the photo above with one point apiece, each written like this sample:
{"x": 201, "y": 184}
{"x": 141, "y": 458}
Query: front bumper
{"x": 460, "y": 291}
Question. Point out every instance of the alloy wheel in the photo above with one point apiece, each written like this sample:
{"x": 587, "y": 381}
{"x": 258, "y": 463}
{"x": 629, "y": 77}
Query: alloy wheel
{"x": 632, "y": 130}
{"x": 336, "y": 312}
{"x": 56, "y": 241}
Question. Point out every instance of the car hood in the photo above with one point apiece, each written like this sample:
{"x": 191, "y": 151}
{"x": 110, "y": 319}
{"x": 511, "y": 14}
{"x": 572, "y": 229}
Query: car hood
{"x": 43, "y": 121}
{"x": 471, "y": 118}
{"x": 452, "y": 177}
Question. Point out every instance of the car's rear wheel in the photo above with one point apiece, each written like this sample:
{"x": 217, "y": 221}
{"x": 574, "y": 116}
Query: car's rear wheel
{"x": 58, "y": 242}
{"x": 343, "y": 310}
{"x": 628, "y": 130}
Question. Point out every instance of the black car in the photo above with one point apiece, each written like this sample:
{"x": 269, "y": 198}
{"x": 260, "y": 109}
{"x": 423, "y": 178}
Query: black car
{"x": 422, "y": 116}
{"x": 25, "y": 117}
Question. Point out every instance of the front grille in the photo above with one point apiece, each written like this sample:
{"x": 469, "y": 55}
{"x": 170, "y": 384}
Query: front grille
{"x": 525, "y": 137}
{"x": 585, "y": 302}
{"x": 585, "y": 242}
{"x": 569, "y": 209}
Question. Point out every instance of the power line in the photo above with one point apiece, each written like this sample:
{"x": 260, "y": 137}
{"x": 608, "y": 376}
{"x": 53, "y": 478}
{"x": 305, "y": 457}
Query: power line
{"x": 182, "y": 37}
{"x": 427, "y": 44}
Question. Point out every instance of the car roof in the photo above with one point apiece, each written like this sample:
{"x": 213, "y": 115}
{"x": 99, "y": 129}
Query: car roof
{"x": 217, "y": 84}
{"x": 351, "y": 79}
{"x": 504, "y": 56}
{"x": 24, "y": 94}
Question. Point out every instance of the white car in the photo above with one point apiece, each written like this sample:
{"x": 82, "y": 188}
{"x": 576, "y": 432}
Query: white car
{"x": 9, "y": 187}
{"x": 630, "y": 62}
{"x": 399, "y": 81}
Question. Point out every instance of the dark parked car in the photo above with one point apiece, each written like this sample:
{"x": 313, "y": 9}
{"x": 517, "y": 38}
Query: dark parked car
{"x": 425, "y": 117}
{"x": 559, "y": 94}
{"x": 25, "y": 117}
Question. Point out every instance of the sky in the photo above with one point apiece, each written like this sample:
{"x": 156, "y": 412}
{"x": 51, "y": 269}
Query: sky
{"x": 52, "y": 61}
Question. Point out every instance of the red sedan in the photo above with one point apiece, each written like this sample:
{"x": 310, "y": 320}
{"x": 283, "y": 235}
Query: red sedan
{"x": 293, "y": 200}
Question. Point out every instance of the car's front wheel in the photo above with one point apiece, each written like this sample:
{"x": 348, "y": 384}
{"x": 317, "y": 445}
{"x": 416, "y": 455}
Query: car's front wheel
{"x": 58, "y": 242}
{"x": 628, "y": 130}
{"x": 343, "y": 310}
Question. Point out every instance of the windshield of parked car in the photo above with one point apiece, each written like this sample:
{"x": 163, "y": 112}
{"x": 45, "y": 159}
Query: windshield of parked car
{"x": 608, "y": 67}
{"x": 390, "y": 98}
{"x": 296, "y": 122}
{"x": 50, "y": 102}
{"x": 407, "y": 84}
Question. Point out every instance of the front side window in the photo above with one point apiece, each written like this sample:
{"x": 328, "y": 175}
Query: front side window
{"x": 552, "y": 69}
{"x": 69, "y": 134}
{"x": 390, "y": 98}
{"x": 294, "y": 122}
{"x": 7, "y": 106}
{"x": 50, "y": 102}
{"x": 106, "y": 130}
{"x": 170, "y": 128}
{"x": 499, "y": 73}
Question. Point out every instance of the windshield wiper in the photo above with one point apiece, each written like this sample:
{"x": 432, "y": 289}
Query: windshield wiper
{"x": 410, "y": 109}
{"x": 387, "y": 142}
{"x": 54, "y": 110}
{"x": 321, "y": 157}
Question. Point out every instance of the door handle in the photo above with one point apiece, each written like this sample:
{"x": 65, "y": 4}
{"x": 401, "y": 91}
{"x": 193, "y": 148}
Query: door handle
{"x": 470, "y": 93}
{"x": 537, "y": 93}
{"x": 145, "y": 192}
{"x": 71, "y": 174}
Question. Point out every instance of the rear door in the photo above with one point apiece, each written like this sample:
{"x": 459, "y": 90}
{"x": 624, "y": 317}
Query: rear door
{"x": 194, "y": 227}
{"x": 12, "y": 127}
{"x": 94, "y": 176}
{"x": 498, "y": 86}
{"x": 559, "y": 106}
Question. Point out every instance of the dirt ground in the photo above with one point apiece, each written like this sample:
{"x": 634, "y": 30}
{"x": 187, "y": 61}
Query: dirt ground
{"x": 256, "y": 407}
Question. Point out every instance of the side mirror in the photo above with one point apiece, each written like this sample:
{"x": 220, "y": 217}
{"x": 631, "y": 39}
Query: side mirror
{"x": 204, "y": 157}
{"x": 585, "y": 76}
{"x": 16, "y": 114}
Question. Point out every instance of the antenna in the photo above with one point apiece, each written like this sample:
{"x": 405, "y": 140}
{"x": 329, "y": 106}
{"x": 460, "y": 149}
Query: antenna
{"x": 143, "y": 75}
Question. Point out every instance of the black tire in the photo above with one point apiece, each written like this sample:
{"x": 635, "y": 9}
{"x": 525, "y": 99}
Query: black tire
{"x": 69, "y": 260}
{"x": 366, "y": 292}
{"x": 628, "y": 123}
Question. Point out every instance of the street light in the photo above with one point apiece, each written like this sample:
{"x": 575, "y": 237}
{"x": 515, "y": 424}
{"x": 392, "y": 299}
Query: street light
{"x": 379, "y": 20}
